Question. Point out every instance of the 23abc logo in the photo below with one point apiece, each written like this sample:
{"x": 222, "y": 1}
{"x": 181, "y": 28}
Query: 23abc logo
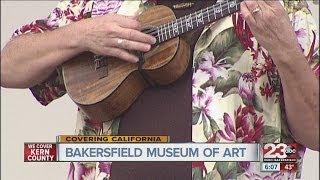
{"x": 279, "y": 151}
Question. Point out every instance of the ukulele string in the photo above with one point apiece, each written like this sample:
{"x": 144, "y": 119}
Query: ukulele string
{"x": 154, "y": 32}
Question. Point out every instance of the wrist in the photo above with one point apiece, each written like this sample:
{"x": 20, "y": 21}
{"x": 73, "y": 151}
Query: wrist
{"x": 286, "y": 53}
{"x": 286, "y": 57}
{"x": 285, "y": 46}
{"x": 77, "y": 36}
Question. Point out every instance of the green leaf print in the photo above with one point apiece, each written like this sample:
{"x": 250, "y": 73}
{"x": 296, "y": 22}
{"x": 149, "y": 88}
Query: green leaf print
{"x": 197, "y": 174}
{"x": 256, "y": 103}
{"x": 209, "y": 126}
{"x": 196, "y": 112}
{"x": 270, "y": 135}
{"x": 146, "y": 5}
{"x": 213, "y": 175}
{"x": 233, "y": 90}
{"x": 226, "y": 45}
{"x": 227, "y": 86}
{"x": 206, "y": 127}
{"x": 214, "y": 126}
{"x": 115, "y": 126}
{"x": 209, "y": 176}
{"x": 203, "y": 42}
{"x": 88, "y": 131}
{"x": 228, "y": 170}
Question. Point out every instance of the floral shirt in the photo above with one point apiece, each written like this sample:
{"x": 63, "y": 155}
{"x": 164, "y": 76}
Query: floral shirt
{"x": 236, "y": 89}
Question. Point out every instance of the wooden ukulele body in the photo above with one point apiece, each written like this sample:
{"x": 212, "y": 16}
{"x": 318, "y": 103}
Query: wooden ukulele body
{"x": 104, "y": 94}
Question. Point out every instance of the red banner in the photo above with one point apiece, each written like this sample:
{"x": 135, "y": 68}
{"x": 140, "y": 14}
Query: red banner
{"x": 40, "y": 152}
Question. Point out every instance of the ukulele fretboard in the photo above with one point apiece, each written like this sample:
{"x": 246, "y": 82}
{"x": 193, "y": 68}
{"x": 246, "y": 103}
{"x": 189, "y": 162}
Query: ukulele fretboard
{"x": 195, "y": 20}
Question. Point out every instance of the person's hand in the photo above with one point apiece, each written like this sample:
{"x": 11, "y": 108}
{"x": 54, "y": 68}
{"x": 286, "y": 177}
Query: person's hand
{"x": 270, "y": 24}
{"x": 114, "y": 35}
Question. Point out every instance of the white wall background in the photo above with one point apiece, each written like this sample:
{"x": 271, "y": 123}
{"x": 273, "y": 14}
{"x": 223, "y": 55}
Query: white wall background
{"x": 24, "y": 120}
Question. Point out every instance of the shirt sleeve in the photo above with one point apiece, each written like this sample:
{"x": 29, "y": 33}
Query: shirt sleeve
{"x": 306, "y": 30}
{"x": 64, "y": 13}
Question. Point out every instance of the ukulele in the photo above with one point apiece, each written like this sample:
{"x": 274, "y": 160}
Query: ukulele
{"x": 105, "y": 87}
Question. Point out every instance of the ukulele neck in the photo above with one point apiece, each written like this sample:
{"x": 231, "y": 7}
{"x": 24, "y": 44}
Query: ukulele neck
{"x": 195, "y": 20}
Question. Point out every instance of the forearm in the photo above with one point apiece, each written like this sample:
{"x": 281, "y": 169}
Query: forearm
{"x": 29, "y": 59}
{"x": 301, "y": 96}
